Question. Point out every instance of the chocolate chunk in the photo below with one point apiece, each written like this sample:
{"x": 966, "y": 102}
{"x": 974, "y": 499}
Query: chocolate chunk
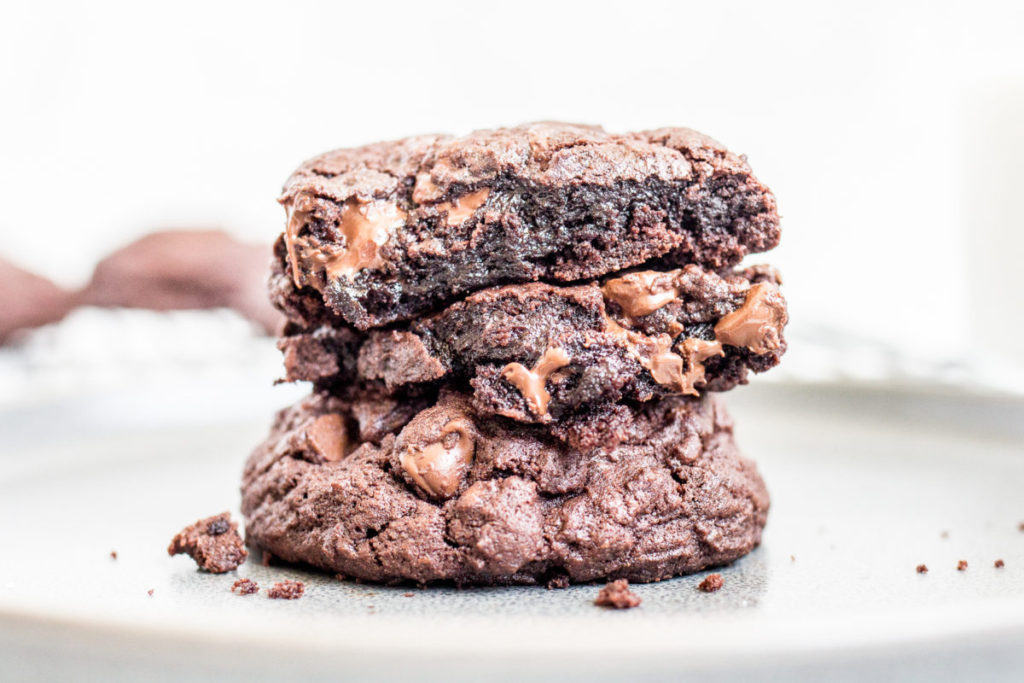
{"x": 286, "y": 590}
{"x": 217, "y": 527}
{"x": 617, "y": 595}
{"x": 757, "y": 324}
{"x": 213, "y": 543}
{"x": 530, "y": 382}
{"x": 438, "y": 467}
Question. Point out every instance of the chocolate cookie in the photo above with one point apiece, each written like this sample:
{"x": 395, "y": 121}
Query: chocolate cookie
{"x": 29, "y": 300}
{"x": 534, "y": 352}
{"x": 185, "y": 269}
{"x": 374, "y": 492}
{"x": 390, "y": 231}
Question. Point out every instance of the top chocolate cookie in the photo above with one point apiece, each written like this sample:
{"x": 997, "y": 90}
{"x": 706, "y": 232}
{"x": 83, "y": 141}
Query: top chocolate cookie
{"x": 392, "y": 230}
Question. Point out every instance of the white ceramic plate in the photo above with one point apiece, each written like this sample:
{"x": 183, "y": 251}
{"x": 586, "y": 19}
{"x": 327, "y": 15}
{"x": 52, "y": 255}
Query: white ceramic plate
{"x": 864, "y": 485}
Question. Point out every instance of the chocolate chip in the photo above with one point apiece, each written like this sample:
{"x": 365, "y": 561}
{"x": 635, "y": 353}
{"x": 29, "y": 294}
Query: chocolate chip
{"x": 217, "y": 527}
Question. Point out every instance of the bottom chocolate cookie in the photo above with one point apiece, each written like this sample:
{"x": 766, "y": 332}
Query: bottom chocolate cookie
{"x": 381, "y": 490}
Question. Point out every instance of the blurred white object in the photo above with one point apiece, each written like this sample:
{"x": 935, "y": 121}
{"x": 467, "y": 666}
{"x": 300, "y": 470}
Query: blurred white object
{"x": 994, "y": 219}
{"x": 196, "y": 361}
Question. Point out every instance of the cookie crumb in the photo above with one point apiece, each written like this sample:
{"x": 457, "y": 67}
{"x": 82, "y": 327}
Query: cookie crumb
{"x": 113, "y": 554}
{"x": 792, "y": 558}
{"x": 213, "y": 543}
{"x": 408, "y": 595}
{"x": 961, "y": 566}
{"x": 1020, "y": 527}
{"x": 711, "y": 583}
{"x": 245, "y": 587}
{"x": 944, "y": 534}
{"x": 150, "y": 592}
{"x": 1000, "y": 564}
{"x": 286, "y": 590}
{"x": 922, "y": 569}
{"x": 557, "y": 581}
{"x": 617, "y": 594}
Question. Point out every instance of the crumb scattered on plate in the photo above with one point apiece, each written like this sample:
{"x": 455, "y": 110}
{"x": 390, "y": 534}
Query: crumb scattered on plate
{"x": 286, "y": 590}
{"x": 922, "y": 569}
{"x": 616, "y": 594}
{"x": 961, "y": 566}
{"x": 213, "y": 543}
{"x": 558, "y": 581}
{"x": 711, "y": 583}
{"x": 245, "y": 587}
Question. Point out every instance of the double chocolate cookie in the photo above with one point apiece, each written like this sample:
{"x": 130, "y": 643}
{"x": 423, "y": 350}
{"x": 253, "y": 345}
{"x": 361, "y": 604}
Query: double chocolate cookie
{"x": 536, "y": 351}
{"x": 185, "y": 269}
{"x": 372, "y": 490}
{"x": 391, "y": 231}
{"x": 512, "y": 337}
{"x": 29, "y": 300}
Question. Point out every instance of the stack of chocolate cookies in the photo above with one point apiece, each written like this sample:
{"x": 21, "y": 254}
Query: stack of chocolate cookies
{"x": 514, "y": 340}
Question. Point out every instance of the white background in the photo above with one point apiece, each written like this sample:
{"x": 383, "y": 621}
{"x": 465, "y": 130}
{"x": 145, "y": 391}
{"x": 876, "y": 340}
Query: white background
{"x": 891, "y": 132}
